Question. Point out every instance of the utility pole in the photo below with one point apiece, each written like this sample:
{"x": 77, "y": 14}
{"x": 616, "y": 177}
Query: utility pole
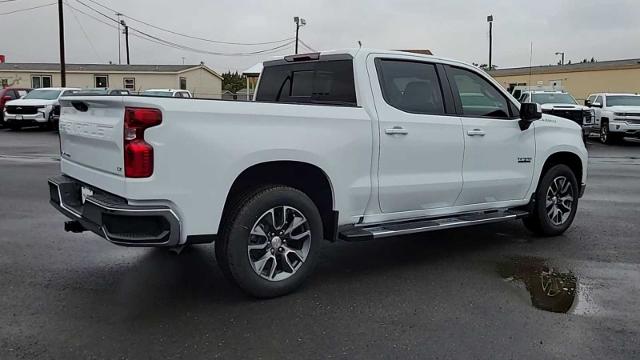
{"x": 490, "y": 21}
{"x": 63, "y": 72}
{"x": 562, "y": 60}
{"x": 299, "y": 23}
{"x": 126, "y": 38}
{"x": 119, "y": 47}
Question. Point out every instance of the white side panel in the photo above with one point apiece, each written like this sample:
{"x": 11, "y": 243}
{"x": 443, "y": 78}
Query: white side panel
{"x": 203, "y": 146}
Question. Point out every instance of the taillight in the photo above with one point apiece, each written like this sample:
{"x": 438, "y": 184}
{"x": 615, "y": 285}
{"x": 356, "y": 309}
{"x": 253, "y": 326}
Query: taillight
{"x": 138, "y": 154}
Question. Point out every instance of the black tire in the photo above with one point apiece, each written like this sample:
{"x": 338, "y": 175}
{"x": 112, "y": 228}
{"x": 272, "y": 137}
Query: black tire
{"x": 232, "y": 246}
{"x": 539, "y": 221}
{"x": 606, "y": 137}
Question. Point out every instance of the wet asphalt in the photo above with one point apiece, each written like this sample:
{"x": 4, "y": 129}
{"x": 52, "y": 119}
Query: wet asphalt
{"x": 488, "y": 292}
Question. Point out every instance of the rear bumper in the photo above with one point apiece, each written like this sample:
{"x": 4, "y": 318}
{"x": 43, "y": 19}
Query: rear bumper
{"x": 112, "y": 218}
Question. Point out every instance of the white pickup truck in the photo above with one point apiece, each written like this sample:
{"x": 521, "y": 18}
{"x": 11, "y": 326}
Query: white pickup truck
{"x": 352, "y": 145}
{"x": 616, "y": 116}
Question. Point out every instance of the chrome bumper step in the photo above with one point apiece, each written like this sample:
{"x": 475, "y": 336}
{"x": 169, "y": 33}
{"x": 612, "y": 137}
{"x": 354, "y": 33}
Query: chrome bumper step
{"x": 376, "y": 231}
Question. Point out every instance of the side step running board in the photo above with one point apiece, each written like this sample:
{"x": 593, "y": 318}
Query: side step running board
{"x": 369, "y": 232}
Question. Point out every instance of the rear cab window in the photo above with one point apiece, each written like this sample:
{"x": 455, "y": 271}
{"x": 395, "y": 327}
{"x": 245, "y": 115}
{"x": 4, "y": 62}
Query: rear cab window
{"x": 329, "y": 80}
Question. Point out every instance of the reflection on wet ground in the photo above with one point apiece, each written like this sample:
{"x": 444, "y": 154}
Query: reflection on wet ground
{"x": 550, "y": 289}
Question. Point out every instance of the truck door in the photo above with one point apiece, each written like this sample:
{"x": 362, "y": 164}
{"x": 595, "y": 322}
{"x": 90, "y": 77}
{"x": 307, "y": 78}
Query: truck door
{"x": 498, "y": 156}
{"x": 421, "y": 142}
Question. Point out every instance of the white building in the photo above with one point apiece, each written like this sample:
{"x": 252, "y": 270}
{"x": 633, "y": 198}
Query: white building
{"x": 202, "y": 81}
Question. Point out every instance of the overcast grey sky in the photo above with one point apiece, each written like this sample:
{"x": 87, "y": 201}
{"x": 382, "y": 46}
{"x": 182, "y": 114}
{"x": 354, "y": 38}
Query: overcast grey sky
{"x": 452, "y": 28}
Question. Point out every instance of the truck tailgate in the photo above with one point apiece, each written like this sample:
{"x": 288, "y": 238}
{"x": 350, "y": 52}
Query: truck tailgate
{"x": 91, "y": 133}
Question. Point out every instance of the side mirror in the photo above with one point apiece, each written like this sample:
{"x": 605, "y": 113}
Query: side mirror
{"x": 598, "y": 105}
{"x": 587, "y": 103}
{"x": 529, "y": 112}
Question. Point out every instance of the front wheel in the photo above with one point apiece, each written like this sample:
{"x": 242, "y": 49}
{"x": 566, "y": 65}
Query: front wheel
{"x": 606, "y": 137}
{"x": 269, "y": 241}
{"x": 556, "y": 202}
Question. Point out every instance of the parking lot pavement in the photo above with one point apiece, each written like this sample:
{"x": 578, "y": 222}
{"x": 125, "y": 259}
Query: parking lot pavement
{"x": 487, "y": 292}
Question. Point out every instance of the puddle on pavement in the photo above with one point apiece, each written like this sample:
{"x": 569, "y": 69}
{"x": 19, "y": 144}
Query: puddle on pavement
{"x": 550, "y": 288}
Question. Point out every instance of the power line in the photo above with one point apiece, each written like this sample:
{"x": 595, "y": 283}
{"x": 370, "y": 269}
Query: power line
{"x": 202, "y": 51}
{"x": 83, "y": 31}
{"x": 168, "y": 43}
{"x": 91, "y": 16}
{"x": 307, "y": 46}
{"x": 190, "y": 36}
{"x": 27, "y": 9}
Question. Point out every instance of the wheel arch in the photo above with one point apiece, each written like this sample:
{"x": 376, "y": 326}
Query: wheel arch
{"x": 303, "y": 176}
{"x": 572, "y": 160}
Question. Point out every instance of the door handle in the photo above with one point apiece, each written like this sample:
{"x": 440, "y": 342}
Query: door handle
{"x": 476, "y": 132}
{"x": 396, "y": 130}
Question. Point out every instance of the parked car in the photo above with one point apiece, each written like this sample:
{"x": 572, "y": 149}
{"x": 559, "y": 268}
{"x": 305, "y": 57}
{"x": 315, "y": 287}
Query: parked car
{"x": 8, "y": 94}
{"x": 617, "y": 115}
{"x": 168, "y": 93}
{"x": 357, "y": 145}
{"x": 39, "y": 107}
{"x": 103, "y": 91}
{"x": 562, "y": 104}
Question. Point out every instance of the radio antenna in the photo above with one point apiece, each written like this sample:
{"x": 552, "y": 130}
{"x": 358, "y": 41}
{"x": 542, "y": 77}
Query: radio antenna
{"x": 530, "y": 65}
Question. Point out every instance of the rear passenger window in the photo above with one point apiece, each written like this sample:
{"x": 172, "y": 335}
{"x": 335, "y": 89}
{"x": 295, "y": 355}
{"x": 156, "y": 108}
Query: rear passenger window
{"x": 315, "y": 82}
{"x": 411, "y": 86}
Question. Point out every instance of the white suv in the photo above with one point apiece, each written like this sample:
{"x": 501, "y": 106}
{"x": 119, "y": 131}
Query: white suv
{"x": 168, "y": 93}
{"x": 617, "y": 115}
{"x": 40, "y": 107}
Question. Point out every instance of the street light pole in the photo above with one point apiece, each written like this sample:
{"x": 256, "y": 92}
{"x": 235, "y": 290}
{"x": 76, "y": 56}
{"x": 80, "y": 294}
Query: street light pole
{"x": 490, "y": 21}
{"x": 299, "y": 23}
{"x": 63, "y": 73}
{"x": 561, "y": 61}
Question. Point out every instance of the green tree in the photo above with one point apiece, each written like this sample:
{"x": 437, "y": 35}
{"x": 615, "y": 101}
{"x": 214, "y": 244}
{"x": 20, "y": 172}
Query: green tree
{"x": 233, "y": 81}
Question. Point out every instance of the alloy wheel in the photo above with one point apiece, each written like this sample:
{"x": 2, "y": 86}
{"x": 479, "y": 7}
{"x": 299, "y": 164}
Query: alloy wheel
{"x": 559, "y": 200}
{"x": 279, "y": 243}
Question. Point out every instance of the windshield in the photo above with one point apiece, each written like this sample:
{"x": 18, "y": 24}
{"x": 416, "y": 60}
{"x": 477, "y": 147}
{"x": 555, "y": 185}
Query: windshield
{"x": 627, "y": 100}
{"x": 43, "y": 94}
{"x": 553, "y": 98}
{"x": 158, "y": 93}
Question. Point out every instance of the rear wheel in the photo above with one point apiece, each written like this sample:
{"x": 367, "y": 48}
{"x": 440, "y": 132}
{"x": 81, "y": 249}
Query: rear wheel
{"x": 556, "y": 202}
{"x": 269, "y": 242}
